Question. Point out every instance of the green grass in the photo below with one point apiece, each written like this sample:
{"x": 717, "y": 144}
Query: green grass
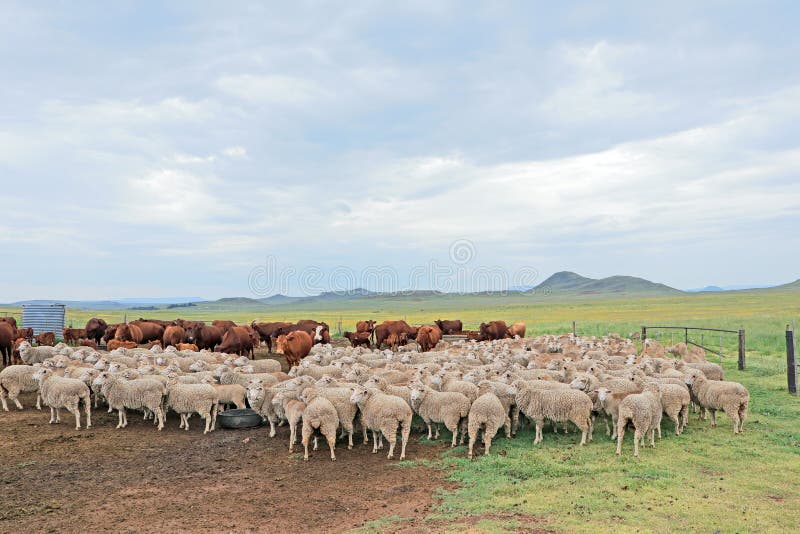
{"x": 705, "y": 480}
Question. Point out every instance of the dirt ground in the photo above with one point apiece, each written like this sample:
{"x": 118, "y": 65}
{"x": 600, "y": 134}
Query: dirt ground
{"x": 54, "y": 478}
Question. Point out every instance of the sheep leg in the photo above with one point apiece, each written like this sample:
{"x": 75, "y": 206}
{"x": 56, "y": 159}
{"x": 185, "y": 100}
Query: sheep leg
{"x": 38, "y": 402}
{"x": 436, "y": 434}
{"x": 653, "y": 438}
{"x": 160, "y": 417}
{"x": 119, "y": 418}
{"x": 584, "y": 428}
{"x": 539, "y": 424}
{"x": 75, "y": 410}
{"x": 637, "y": 437}
{"x": 349, "y": 440}
{"x": 742, "y": 412}
{"x": 390, "y": 431}
{"x": 186, "y": 417}
{"x": 454, "y": 430}
{"x": 472, "y": 436}
{"x": 213, "y": 418}
{"x": 271, "y": 427}
{"x": 608, "y": 430}
{"x": 508, "y": 427}
{"x": 316, "y": 442}
{"x": 733, "y": 413}
{"x": 374, "y": 442}
{"x": 620, "y": 435}
{"x": 3, "y": 399}
{"x": 514, "y": 420}
{"x": 488, "y": 434}
{"x": 430, "y": 430}
{"x": 291, "y": 437}
{"x": 713, "y": 417}
{"x": 52, "y": 415}
{"x": 332, "y": 443}
{"x": 405, "y": 431}
{"x": 363, "y": 427}
{"x": 307, "y": 430}
{"x": 464, "y": 430}
{"x": 614, "y": 426}
{"x": 17, "y": 403}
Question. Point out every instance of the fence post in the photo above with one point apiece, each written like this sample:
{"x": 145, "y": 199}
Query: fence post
{"x": 741, "y": 350}
{"x": 791, "y": 363}
{"x": 644, "y": 336}
{"x": 574, "y": 330}
{"x": 686, "y": 336}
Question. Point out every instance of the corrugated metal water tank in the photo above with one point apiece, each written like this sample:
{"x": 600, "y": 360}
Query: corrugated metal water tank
{"x": 44, "y": 318}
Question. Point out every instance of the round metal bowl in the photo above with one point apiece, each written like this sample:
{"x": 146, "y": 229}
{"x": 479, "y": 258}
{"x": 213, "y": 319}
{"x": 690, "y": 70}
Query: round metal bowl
{"x": 244, "y": 418}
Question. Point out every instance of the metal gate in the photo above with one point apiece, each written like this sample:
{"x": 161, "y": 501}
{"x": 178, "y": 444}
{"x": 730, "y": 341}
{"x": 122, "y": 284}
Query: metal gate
{"x": 701, "y": 343}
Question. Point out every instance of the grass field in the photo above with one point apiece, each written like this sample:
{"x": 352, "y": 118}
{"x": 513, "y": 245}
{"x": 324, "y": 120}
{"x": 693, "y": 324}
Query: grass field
{"x": 705, "y": 480}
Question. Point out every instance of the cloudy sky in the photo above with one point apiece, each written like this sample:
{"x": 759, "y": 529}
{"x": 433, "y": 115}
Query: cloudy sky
{"x": 188, "y": 149}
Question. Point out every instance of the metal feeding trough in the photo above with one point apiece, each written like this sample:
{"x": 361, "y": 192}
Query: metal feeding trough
{"x": 244, "y": 418}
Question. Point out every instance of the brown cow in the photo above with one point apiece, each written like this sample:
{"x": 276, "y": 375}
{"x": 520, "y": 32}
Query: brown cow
{"x": 150, "y": 331}
{"x": 16, "y": 359}
{"x": 365, "y": 326}
{"x": 111, "y": 331}
{"x": 174, "y": 335}
{"x": 204, "y": 336}
{"x": 395, "y": 339}
{"x": 449, "y": 327}
{"x": 492, "y": 330}
{"x": 267, "y": 331}
{"x": 386, "y": 328}
{"x": 428, "y": 337}
{"x": 319, "y": 332}
{"x": 154, "y": 343}
{"x": 516, "y": 329}
{"x": 159, "y": 322}
{"x": 358, "y": 338}
{"x": 187, "y": 346}
{"x": 116, "y": 343}
{"x": 129, "y": 332}
{"x": 236, "y": 340}
{"x": 96, "y": 329}
{"x": 73, "y": 335}
{"x": 7, "y": 337}
{"x": 26, "y": 334}
{"x": 223, "y": 325}
{"x": 9, "y": 320}
{"x": 294, "y": 345}
{"x": 46, "y": 338}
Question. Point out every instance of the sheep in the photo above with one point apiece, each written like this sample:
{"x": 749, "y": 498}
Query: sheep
{"x": 292, "y": 409}
{"x": 451, "y": 382}
{"x": 450, "y": 408}
{"x": 143, "y": 393}
{"x": 31, "y": 355}
{"x": 488, "y": 412}
{"x": 644, "y": 411}
{"x": 260, "y": 398}
{"x": 383, "y": 413}
{"x": 730, "y": 397}
{"x": 16, "y": 379}
{"x": 712, "y": 371}
{"x": 259, "y": 366}
{"x": 58, "y": 392}
{"x": 404, "y": 392}
{"x": 320, "y": 414}
{"x": 345, "y": 410}
{"x": 675, "y": 401}
{"x": 558, "y": 405}
{"x": 609, "y": 401}
{"x": 186, "y": 399}
{"x": 228, "y": 393}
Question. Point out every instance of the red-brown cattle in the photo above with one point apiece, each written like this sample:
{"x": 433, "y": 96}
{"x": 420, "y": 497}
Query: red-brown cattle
{"x": 96, "y": 329}
{"x": 173, "y": 335}
{"x": 395, "y": 339}
{"x": 223, "y": 325}
{"x": 129, "y": 332}
{"x": 111, "y": 331}
{"x": 386, "y": 328}
{"x": 154, "y": 343}
{"x": 294, "y": 345}
{"x": 150, "y": 331}
{"x": 204, "y": 336}
{"x": 358, "y": 338}
{"x": 428, "y": 337}
{"x": 16, "y": 359}
{"x": 236, "y": 340}
{"x": 9, "y": 320}
{"x": 516, "y": 329}
{"x": 7, "y": 333}
{"x": 492, "y": 330}
{"x": 159, "y": 322}
{"x": 187, "y": 346}
{"x": 365, "y": 326}
{"x": 268, "y": 331}
{"x": 89, "y": 343}
{"x": 449, "y": 327}
{"x": 26, "y": 334}
{"x": 46, "y": 338}
{"x": 73, "y": 335}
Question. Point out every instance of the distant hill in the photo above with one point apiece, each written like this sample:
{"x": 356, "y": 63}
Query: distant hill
{"x": 568, "y": 283}
{"x": 791, "y": 286}
{"x": 706, "y": 289}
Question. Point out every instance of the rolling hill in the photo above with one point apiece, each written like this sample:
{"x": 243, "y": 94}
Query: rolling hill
{"x": 567, "y": 283}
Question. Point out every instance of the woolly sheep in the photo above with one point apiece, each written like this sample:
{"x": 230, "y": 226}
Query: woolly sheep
{"x": 58, "y": 392}
{"x": 486, "y": 412}
{"x": 31, "y": 355}
{"x": 448, "y": 407}
{"x": 228, "y": 393}
{"x": 558, "y": 405}
{"x": 730, "y": 397}
{"x": 186, "y": 399}
{"x": 260, "y": 366}
{"x": 384, "y": 413}
{"x": 16, "y": 379}
{"x": 292, "y": 409}
{"x": 143, "y": 393}
{"x": 644, "y": 411}
{"x": 320, "y": 414}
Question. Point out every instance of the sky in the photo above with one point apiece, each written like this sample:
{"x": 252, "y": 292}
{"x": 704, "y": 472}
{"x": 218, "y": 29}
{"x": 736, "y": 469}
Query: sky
{"x": 245, "y": 149}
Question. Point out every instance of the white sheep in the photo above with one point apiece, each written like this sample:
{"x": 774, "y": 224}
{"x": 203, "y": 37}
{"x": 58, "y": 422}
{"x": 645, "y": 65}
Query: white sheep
{"x": 557, "y": 405}
{"x": 121, "y": 394}
{"x": 59, "y": 392}
{"x": 450, "y": 408}
{"x": 320, "y": 414}
{"x": 16, "y": 379}
{"x": 644, "y": 411}
{"x": 487, "y": 412}
{"x": 383, "y": 414}
{"x": 31, "y": 355}
{"x": 730, "y": 397}
{"x": 186, "y": 399}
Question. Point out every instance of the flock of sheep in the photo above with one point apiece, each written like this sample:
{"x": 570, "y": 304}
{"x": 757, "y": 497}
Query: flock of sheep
{"x": 472, "y": 388}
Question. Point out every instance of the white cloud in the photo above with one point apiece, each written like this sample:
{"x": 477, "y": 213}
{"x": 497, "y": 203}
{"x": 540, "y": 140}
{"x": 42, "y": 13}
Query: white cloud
{"x": 276, "y": 89}
{"x": 235, "y": 152}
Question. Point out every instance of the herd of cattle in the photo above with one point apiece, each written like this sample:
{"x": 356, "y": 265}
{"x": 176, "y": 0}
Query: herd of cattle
{"x": 294, "y": 340}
